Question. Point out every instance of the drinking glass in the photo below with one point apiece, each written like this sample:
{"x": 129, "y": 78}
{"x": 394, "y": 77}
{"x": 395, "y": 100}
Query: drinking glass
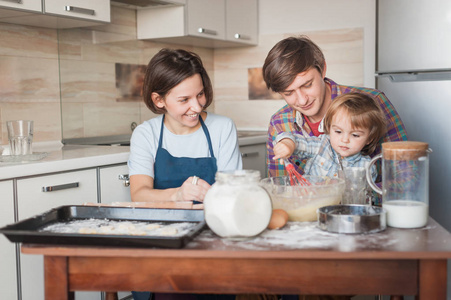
{"x": 20, "y": 136}
{"x": 356, "y": 186}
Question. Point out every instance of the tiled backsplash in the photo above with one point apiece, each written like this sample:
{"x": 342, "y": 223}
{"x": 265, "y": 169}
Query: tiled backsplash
{"x": 64, "y": 80}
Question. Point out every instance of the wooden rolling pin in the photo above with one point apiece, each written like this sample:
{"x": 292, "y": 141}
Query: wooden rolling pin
{"x": 152, "y": 204}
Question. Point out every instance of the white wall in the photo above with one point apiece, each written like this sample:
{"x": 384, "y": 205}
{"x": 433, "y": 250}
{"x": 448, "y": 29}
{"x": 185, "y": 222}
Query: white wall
{"x": 286, "y": 16}
{"x": 344, "y": 29}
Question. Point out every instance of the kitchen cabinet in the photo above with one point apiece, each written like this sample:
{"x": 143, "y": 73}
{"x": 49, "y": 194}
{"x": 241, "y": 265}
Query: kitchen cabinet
{"x": 8, "y": 274}
{"x": 55, "y": 13}
{"x": 242, "y": 21}
{"x": 114, "y": 184}
{"x": 10, "y": 8}
{"x": 204, "y": 23}
{"x": 36, "y": 195}
{"x": 206, "y": 19}
{"x": 71, "y": 175}
{"x": 254, "y": 157}
{"x": 98, "y": 10}
{"x": 115, "y": 187}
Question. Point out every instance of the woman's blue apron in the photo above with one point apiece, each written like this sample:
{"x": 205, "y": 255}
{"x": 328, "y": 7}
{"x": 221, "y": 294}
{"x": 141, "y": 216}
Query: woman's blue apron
{"x": 171, "y": 172}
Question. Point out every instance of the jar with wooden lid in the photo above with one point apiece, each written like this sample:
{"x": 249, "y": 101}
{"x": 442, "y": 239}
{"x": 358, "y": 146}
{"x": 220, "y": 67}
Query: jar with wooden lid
{"x": 405, "y": 183}
{"x": 236, "y": 206}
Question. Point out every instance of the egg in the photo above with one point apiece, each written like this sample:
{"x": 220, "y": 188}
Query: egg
{"x": 279, "y": 218}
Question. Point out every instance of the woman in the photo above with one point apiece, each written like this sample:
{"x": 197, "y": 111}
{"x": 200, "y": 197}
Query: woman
{"x": 174, "y": 157}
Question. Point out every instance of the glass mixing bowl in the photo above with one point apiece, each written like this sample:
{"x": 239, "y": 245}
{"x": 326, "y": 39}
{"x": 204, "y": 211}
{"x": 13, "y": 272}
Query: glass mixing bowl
{"x": 302, "y": 202}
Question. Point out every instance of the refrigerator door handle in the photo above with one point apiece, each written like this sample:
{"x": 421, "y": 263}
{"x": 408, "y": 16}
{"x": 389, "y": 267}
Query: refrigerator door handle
{"x": 417, "y": 76}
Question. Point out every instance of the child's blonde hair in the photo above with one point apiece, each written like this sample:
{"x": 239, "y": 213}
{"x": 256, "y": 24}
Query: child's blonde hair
{"x": 363, "y": 112}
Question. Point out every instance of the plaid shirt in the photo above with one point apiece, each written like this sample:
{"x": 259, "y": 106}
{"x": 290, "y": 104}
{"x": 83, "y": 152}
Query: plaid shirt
{"x": 284, "y": 120}
{"x": 322, "y": 159}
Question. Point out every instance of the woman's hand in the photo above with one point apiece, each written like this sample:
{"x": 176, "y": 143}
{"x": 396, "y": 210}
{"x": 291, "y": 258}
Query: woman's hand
{"x": 193, "y": 188}
{"x": 284, "y": 149}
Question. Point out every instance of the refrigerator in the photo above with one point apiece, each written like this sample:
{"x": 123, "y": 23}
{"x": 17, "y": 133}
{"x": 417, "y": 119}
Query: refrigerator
{"x": 414, "y": 72}
{"x": 413, "y": 69}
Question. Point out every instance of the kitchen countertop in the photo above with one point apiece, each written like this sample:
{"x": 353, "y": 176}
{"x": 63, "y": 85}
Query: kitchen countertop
{"x": 245, "y": 137}
{"x": 90, "y": 155}
{"x": 65, "y": 158}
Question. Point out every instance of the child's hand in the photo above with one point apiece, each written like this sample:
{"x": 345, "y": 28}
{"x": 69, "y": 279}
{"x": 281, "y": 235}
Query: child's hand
{"x": 284, "y": 148}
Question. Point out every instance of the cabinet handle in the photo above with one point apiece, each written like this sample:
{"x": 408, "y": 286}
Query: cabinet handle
{"x": 249, "y": 154}
{"x": 60, "y": 187}
{"x": 125, "y": 178}
{"x": 241, "y": 36}
{"x": 15, "y": 1}
{"x": 80, "y": 10}
{"x": 207, "y": 31}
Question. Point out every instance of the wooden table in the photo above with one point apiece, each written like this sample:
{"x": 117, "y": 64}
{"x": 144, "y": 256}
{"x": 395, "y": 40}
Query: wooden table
{"x": 299, "y": 259}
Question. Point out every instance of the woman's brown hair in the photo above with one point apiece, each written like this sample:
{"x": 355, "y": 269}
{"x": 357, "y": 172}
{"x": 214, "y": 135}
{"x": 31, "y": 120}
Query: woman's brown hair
{"x": 363, "y": 112}
{"x": 288, "y": 58}
{"x": 167, "y": 69}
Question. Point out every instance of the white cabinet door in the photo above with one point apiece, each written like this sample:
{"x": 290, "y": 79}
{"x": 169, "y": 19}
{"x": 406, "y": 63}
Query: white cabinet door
{"x": 206, "y": 18}
{"x": 29, "y": 5}
{"x": 98, "y": 10}
{"x": 71, "y": 188}
{"x": 115, "y": 187}
{"x": 202, "y": 23}
{"x": 114, "y": 184}
{"x": 242, "y": 21}
{"x": 254, "y": 158}
{"x": 8, "y": 273}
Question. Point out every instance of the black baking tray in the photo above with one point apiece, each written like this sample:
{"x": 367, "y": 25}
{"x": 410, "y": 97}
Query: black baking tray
{"x": 27, "y": 231}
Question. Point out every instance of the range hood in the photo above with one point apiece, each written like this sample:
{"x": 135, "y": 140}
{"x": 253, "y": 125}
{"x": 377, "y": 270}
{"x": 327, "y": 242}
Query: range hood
{"x": 144, "y": 3}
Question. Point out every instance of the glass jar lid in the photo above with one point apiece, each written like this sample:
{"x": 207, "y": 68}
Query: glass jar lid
{"x": 238, "y": 176}
{"x": 404, "y": 150}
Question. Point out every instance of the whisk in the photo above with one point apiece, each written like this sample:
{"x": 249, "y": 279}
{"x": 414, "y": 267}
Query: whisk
{"x": 295, "y": 177}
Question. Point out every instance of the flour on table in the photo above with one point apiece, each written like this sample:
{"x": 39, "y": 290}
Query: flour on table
{"x": 299, "y": 235}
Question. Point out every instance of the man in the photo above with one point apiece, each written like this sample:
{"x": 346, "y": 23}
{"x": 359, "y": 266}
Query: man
{"x": 296, "y": 68}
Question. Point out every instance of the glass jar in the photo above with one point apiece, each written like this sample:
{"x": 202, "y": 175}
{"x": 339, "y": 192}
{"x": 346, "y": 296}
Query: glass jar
{"x": 236, "y": 206}
{"x": 405, "y": 183}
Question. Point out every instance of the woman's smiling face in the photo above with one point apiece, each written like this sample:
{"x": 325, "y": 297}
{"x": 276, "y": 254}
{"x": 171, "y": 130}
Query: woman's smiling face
{"x": 183, "y": 105}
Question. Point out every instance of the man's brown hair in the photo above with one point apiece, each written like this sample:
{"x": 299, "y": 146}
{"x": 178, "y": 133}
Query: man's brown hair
{"x": 288, "y": 58}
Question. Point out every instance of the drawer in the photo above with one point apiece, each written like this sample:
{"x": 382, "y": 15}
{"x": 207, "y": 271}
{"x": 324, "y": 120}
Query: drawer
{"x": 98, "y": 10}
{"x": 69, "y": 188}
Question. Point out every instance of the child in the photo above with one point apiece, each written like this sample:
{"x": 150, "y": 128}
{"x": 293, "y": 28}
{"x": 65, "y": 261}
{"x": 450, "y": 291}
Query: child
{"x": 353, "y": 126}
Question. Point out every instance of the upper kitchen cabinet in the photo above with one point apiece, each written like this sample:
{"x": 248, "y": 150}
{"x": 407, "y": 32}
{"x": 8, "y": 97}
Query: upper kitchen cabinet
{"x": 55, "y": 13}
{"x": 15, "y": 8}
{"x": 242, "y": 21}
{"x": 205, "y": 19}
{"x": 202, "y": 23}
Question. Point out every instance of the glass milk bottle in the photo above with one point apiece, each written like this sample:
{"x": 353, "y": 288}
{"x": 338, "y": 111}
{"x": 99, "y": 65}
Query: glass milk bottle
{"x": 236, "y": 206}
{"x": 405, "y": 183}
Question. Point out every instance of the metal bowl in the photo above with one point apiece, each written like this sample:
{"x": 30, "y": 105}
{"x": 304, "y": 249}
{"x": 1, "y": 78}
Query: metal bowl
{"x": 352, "y": 218}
